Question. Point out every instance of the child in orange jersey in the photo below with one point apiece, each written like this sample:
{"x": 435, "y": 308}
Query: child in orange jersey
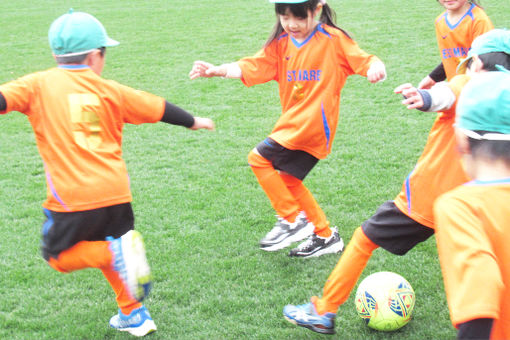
{"x": 399, "y": 225}
{"x": 473, "y": 220}
{"x": 77, "y": 118}
{"x": 311, "y": 60}
{"x": 456, "y": 28}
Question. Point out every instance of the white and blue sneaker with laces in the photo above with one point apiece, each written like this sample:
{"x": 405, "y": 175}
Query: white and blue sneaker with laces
{"x": 137, "y": 323}
{"x": 306, "y": 316}
{"x": 130, "y": 262}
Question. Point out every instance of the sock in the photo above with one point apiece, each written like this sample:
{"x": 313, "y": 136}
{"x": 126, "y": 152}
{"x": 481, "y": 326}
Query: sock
{"x": 271, "y": 182}
{"x": 125, "y": 301}
{"x": 347, "y": 271}
{"x": 308, "y": 203}
{"x": 84, "y": 254}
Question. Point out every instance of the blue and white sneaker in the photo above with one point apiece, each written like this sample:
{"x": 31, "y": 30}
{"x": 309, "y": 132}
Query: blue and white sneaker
{"x": 306, "y": 316}
{"x": 130, "y": 261}
{"x": 138, "y": 323}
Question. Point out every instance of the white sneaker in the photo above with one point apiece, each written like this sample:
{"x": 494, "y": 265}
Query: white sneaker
{"x": 138, "y": 323}
{"x": 284, "y": 233}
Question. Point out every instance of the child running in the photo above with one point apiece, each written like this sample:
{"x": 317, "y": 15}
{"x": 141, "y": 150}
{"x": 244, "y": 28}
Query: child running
{"x": 473, "y": 220}
{"x": 456, "y": 28}
{"x": 311, "y": 60}
{"x": 77, "y": 118}
{"x": 399, "y": 225}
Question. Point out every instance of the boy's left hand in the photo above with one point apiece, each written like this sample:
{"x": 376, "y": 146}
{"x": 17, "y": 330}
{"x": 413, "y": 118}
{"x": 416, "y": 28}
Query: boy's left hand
{"x": 376, "y": 72}
{"x": 202, "y": 123}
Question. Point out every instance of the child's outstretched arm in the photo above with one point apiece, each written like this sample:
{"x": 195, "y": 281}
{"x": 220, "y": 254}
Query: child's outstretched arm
{"x": 176, "y": 116}
{"x": 439, "y": 97}
{"x": 376, "y": 72}
{"x": 208, "y": 70}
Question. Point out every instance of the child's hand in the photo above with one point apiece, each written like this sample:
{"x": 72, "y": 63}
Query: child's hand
{"x": 413, "y": 98}
{"x": 202, "y": 123}
{"x": 426, "y": 83}
{"x": 207, "y": 70}
{"x": 376, "y": 72}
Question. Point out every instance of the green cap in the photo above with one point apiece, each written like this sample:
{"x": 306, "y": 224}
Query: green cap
{"x": 77, "y": 33}
{"x": 496, "y": 40}
{"x": 484, "y": 105}
{"x": 288, "y": 1}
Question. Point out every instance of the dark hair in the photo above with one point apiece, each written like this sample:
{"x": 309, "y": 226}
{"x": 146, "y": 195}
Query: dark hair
{"x": 301, "y": 10}
{"x": 491, "y": 59}
{"x": 490, "y": 149}
{"x": 77, "y": 59}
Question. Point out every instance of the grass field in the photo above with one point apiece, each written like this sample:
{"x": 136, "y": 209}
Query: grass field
{"x": 196, "y": 201}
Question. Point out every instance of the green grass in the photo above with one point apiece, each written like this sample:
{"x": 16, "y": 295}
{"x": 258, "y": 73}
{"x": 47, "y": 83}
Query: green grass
{"x": 196, "y": 201}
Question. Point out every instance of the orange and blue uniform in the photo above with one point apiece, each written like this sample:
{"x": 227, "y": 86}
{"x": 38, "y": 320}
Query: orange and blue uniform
{"x": 438, "y": 169}
{"x": 79, "y": 132}
{"x": 77, "y": 118}
{"x": 473, "y": 233}
{"x": 310, "y": 76}
{"x": 454, "y": 39}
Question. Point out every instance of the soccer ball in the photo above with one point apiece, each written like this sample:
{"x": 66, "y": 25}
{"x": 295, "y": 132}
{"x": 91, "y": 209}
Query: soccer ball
{"x": 385, "y": 301}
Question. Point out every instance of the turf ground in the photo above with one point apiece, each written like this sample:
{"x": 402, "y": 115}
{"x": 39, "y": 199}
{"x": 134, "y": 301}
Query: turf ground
{"x": 196, "y": 201}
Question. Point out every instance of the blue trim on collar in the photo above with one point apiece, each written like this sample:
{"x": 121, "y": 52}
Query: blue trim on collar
{"x": 469, "y": 12}
{"x": 73, "y": 66}
{"x": 495, "y": 181}
{"x": 283, "y": 36}
{"x": 298, "y": 44}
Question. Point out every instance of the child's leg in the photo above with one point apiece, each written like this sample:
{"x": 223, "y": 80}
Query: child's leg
{"x": 96, "y": 254}
{"x": 271, "y": 182}
{"x": 308, "y": 203}
{"x": 84, "y": 254}
{"x": 344, "y": 277}
{"x": 125, "y": 301}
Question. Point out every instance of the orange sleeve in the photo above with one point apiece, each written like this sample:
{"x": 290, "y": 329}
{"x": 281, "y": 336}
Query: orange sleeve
{"x": 352, "y": 58}
{"x": 140, "y": 106}
{"x": 467, "y": 261}
{"x": 18, "y": 94}
{"x": 260, "y": 68}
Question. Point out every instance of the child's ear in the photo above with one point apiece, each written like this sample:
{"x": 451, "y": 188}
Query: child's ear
{"x": 462, "y": 142}
{"x": 476, "y": 64}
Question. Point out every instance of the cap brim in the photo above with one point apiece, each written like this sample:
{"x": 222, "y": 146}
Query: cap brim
{"x": 110, "y": 42}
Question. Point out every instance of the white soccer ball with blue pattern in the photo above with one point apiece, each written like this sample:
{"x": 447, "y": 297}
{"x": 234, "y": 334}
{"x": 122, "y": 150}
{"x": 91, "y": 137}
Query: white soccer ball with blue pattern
{"x": 385, "y": 301}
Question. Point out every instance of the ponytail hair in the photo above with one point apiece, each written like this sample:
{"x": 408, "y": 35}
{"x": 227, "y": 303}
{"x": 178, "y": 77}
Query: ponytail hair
{"x": 301, "y": 10}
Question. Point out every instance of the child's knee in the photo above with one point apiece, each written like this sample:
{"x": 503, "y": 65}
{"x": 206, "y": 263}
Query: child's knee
{"x": 256, "y": 160}
{"x": 53, "y": 262}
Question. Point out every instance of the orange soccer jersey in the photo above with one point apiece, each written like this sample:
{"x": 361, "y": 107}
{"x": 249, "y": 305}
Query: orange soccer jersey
{"x": 77, "y": 118}
{"x": 473, "y": 234}
{"x": 310, "y": 75}
{"x": 438, "y": 169}
{"x": 454, "y": 39}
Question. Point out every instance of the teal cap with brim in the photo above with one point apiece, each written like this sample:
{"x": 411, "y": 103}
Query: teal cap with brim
{"x": 484, "y": 105}
{"x": 287, "y": 1}
{"x": 496, "y": 40}
{"x": 77, "y": 33}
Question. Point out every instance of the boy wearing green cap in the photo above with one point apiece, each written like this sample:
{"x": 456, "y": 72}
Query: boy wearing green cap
{"x": 473, "y": 220}
{"x": 77, "y": 118}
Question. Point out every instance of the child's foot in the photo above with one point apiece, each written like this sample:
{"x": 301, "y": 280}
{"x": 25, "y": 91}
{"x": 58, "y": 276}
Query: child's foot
{"x": 316, "y": 246}
{"x": 285, "y": 233}
{"x": 130, "y": 261}
{"x": 138, "y": 323}
{"x": 306, "y": 316}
